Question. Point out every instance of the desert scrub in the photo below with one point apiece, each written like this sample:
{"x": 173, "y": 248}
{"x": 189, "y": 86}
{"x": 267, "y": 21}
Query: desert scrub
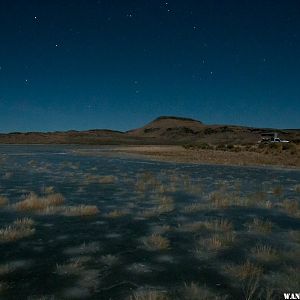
{"x": 264, "y": 253}
{"x": 80, "y": 210}
{"x": 194, "y": 291}
{"x": 19, "y": 229}
{"x": 3, "y": 201}
{"x": 156, "y": 242}
{"x": 149, "y": 295}
{"x": 260, "y": 226}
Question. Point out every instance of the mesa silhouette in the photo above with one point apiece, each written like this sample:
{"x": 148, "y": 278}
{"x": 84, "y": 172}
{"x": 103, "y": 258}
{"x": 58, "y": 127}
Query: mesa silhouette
{"x": 164, "y": 130}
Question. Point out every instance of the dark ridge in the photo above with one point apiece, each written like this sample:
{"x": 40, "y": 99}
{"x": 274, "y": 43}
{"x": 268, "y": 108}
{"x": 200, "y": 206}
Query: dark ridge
{"x": 177, "y": 118}
{"x": 103, "y": 130}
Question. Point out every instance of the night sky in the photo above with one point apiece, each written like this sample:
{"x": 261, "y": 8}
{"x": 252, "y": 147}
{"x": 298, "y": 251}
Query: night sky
{"x": 118, "y": 64}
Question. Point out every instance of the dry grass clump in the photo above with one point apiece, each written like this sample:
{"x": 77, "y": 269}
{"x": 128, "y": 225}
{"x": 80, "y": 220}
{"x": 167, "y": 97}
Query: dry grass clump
{"x": 148, "y": 213}
{"x": 297, "y": 188}
{"x": 219, "y": 200}
{"x": 3, "y": 201}
{"x": 218, "y": 225}
{"x": 19, "y": 229}
{"x": 149, "y": 295}
{"x": 24, "y": 222}
{"x": 264, "y": 253}
{"x": 7, "y": 175}
{"x": 80, "y": 210}
{"x": 259, "y": 199}
{"x": 216, "y": 242}
{"x": 244, "y": 271}
{"x": 260, "y": 226}
{"x": 156, "y": 242}
{"x": 166, "y": 205}
{"x": 194, "y": 207}
{"x": 70, "y": 268}
{"x": 83, "y": 249}
{"x": 107, "y": 179}
{"x": 109, "y": 260}
{"x": 291, "y": 207}
{"x": 194, "y": 291}
{"x": 146, "y": 181}
{"x": 35, "y": 203}
{"x": 52, "y": 204}
{"x": 49, "y": 190}
{"x": 117, "y": 213}
{"x": 248, "y": 276}
{"x": 165, "y": 208}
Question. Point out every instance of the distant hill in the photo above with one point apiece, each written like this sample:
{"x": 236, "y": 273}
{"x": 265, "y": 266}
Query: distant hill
{"x": 162, "y": 130}
{"x": 168, "y": 127}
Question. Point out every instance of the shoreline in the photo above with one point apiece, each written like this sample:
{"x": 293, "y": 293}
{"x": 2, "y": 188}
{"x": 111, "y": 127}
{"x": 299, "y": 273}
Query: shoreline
{"x": 177, "y": 154}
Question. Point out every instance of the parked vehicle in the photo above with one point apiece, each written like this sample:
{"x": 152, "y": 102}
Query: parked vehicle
{"x": 271, "y": 137}
{"x": 278, "y": 140}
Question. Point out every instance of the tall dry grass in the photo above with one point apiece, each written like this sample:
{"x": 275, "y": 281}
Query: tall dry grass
{"x": 19, "y": 229}
{"x": 34, "y": 203}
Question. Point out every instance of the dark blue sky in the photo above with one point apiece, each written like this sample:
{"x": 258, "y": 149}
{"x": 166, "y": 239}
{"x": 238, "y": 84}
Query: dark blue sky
{"x": 118, "y": 64}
